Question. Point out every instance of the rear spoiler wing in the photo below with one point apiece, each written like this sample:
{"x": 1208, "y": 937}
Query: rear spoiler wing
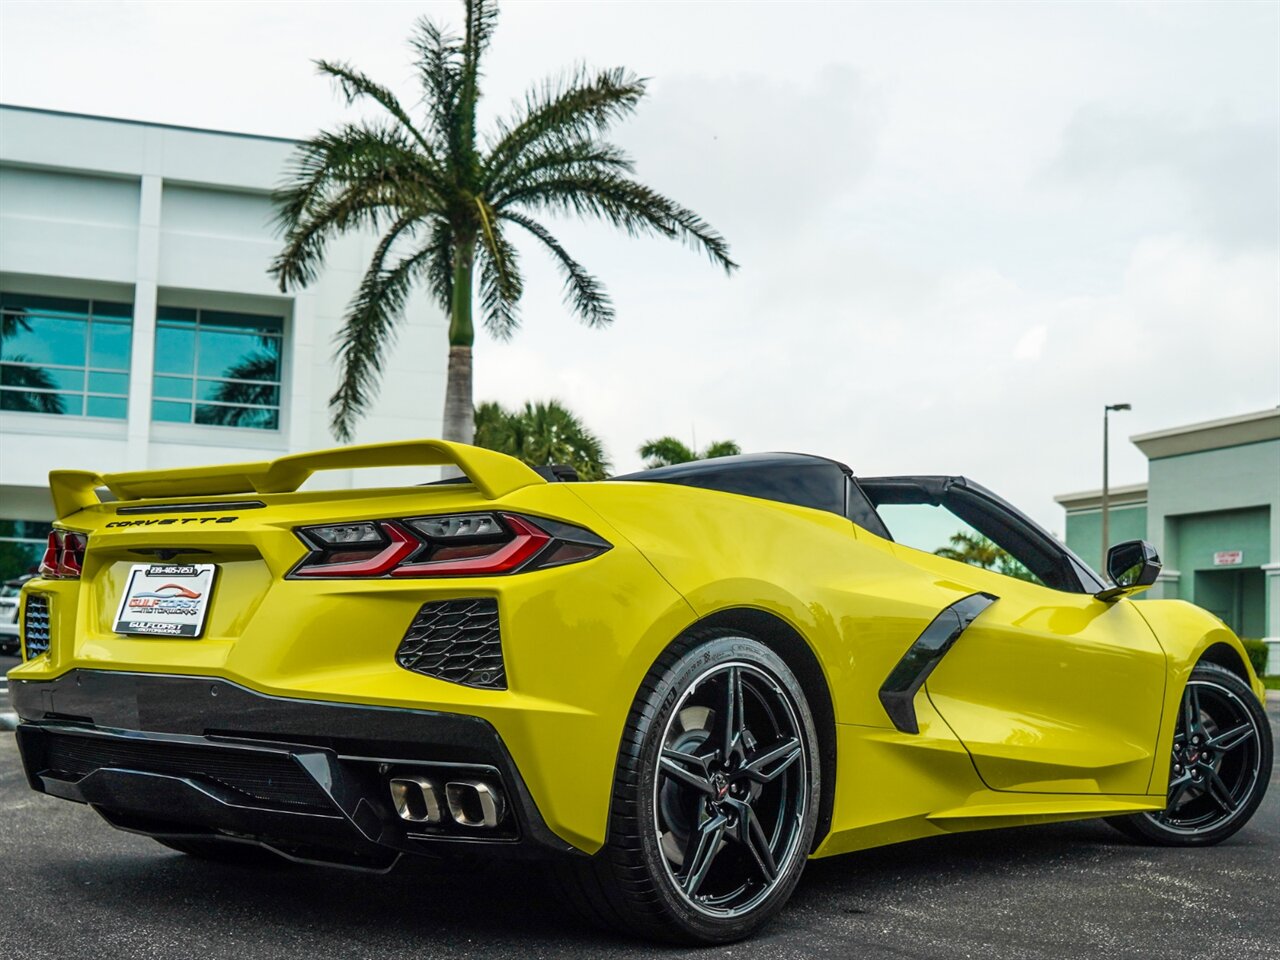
{"x": 494, "y": 475}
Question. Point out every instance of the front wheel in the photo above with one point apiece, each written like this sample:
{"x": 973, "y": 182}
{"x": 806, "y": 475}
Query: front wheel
{"x": 715, "y": 797}
{"x": 1219, "y": 768}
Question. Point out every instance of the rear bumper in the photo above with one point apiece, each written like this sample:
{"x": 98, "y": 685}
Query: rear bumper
{"x": 189, "y": 756}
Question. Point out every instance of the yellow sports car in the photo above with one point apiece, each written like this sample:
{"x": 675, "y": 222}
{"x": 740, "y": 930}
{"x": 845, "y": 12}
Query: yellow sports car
{"x": 675, "y": 686}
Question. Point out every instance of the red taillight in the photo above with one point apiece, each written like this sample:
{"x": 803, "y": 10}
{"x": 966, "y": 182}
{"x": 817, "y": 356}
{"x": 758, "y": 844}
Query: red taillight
{"x": 399, "y": 546}
{"x": 64, "y": 556}
{"x": 481, "y": 544}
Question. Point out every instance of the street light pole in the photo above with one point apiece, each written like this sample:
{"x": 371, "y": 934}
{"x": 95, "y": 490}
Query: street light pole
{"x": 1106, "y": 479}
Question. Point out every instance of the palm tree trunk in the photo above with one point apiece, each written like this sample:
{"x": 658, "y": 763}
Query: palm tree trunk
{"x": 459, "y": 415}
{"x": 459, "y": 409}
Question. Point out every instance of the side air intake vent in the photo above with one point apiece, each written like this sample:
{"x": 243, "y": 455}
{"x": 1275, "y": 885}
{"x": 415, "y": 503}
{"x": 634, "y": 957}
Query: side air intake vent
{"x": 35, "y": 625}
{"x": 458, "y": 641}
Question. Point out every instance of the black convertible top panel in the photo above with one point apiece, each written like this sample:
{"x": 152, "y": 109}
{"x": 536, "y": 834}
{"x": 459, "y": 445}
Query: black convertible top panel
{"x": 796, "y": 478}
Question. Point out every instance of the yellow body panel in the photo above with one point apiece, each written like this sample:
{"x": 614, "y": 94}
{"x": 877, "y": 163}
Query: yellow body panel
{"x": 1051, "y": 706}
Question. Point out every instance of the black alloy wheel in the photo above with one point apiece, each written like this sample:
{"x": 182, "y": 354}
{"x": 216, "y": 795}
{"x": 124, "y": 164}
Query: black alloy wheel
{"x": 1219, "y": 766}
{"x": 715, "y": 799}
{"x": 729, "y": 803}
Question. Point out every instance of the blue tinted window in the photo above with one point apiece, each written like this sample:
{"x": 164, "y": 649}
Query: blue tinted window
{"x": 114, "y": 407}
{"x": 110, "y": 345}
{"x": 175, "y": 348}
{"x": 171, "y": 412}
{"x": 224, "y": 367}
{"x": 64, "y": 356}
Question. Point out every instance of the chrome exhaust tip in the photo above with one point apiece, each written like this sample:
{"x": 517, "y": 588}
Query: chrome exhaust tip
{"x": 416, "y": 799}
{"x": 475, "y": 803}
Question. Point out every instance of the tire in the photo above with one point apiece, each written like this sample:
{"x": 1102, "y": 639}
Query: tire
{"x": 1218, "y": 773}
{"x": 224, "y": 851}
{"x": 699, "y": 850}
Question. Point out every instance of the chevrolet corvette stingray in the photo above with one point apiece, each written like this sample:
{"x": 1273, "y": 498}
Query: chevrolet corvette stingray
{"x": 674, "y": 687}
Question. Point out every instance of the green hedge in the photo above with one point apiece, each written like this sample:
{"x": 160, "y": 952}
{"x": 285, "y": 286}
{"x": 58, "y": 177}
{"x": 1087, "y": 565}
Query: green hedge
{"x": 1257, "y": 651}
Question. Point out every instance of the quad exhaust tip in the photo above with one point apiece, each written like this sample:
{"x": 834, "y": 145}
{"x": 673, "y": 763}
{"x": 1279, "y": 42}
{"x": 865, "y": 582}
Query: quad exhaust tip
{"x": 475, "y": 804}
{"x": 415, "y": 799}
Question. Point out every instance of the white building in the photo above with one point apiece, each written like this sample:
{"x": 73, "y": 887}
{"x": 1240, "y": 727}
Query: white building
{"x": 140, "y": 327}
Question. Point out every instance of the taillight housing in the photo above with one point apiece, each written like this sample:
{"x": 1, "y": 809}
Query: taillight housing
{"x": 453, "y": 545}
{"x": 64, "y": 555}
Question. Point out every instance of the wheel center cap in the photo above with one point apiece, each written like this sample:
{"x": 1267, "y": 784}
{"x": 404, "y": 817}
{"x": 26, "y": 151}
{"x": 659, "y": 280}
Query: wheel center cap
{"x": 721, "y": 783}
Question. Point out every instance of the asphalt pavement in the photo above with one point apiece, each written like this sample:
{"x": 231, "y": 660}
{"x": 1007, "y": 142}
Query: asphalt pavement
{"x": 75, "y": 888}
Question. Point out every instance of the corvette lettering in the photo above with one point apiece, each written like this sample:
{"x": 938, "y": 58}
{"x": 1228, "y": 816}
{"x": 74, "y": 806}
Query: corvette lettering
{"x": 171, "y": 521}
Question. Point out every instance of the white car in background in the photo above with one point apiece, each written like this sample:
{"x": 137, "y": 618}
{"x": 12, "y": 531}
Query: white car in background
{"x": 9, "y": 591}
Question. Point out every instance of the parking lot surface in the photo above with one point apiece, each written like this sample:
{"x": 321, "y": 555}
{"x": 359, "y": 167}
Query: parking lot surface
{"x": 73, "y": 887}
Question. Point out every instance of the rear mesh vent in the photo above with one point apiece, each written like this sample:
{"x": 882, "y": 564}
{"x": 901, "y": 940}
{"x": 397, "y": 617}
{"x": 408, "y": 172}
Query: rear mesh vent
{"x": 458, "y": 641}
{"x": 273, "y": 779}
{"x": 35, "y": 624}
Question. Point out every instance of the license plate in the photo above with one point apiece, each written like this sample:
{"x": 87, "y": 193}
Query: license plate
{"x": 166, "y": 599}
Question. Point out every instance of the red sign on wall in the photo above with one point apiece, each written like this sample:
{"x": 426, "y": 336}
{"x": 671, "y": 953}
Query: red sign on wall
{"x": 1228, "y": 558}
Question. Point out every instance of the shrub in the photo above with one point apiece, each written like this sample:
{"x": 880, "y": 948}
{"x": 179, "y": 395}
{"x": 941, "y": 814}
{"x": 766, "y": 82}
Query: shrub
{"x": 1257, "y": 651}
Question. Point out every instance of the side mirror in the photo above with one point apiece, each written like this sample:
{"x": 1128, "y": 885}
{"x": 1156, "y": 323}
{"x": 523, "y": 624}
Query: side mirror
{"x": 1132, "y": 566}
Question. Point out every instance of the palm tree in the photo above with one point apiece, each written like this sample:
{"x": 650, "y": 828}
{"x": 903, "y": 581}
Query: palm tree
{"x": 32, "y": 382}
{"x": 251, "y": 388}
{"x": 668, "y": 450}
{"x": 975, "y": 549}
{"x": 444, "y": 201}
{"x": 542, "y": 434}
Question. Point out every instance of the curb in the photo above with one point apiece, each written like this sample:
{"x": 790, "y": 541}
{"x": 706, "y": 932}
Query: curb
{"x": 1273, "y": 696}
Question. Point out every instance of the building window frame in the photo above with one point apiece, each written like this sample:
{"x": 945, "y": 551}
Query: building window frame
{"x": 122, "y": 317}
{"x": 277, "y": 334}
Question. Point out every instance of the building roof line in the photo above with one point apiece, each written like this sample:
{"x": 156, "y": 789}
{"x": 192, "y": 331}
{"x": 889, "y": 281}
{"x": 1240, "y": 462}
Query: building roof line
{"x": 146, "y": 123}
{"x": 1119, "y": 496}
{"x": 1261, "y": 425}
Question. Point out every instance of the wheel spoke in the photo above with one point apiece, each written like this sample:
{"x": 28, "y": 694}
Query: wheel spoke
{"x": 1177, "y": 786}
{"x": 732, "y": 711}
{"x": 748, "y": 831}
{"x": 1191, "y": 709}
{"x": 1232, "y": 738}
{"x": 783, "y": 755}
{"x": 688, "y": 769}
{"x": 705, "y": 843}
{"x": 1218, "y": 790}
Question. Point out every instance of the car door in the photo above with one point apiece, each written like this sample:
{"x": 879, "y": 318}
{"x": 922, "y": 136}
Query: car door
{"x": 1049, "y": 689}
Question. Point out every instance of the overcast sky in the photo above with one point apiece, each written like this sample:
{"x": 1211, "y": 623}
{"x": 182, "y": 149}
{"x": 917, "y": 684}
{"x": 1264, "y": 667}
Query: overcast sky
{"x": 963, "y": 229}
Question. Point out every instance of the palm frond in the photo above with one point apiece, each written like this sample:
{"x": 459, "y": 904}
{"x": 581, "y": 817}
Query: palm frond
{"x": 493, "y": 428}
{"x": 501, "y": 284}
{"x": 356, "y": 84}
{"x": 568, "y": 157}
{"x": 440, "y": 264}
{"x": 250, "y": 393}
{"x": 359, "y": 176}
{"x": 369, "y": 330}
{"x": 582, "y": 291}
{"x": 576, "y": 104}
{"x": 626, "y": 204}
{"x": 665, "y": 451}
{"x": 542, "y": 434}
{"x": 441, "y": 64}
{"x": 720, "y": 448}
{"x": 34, "y": 385}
